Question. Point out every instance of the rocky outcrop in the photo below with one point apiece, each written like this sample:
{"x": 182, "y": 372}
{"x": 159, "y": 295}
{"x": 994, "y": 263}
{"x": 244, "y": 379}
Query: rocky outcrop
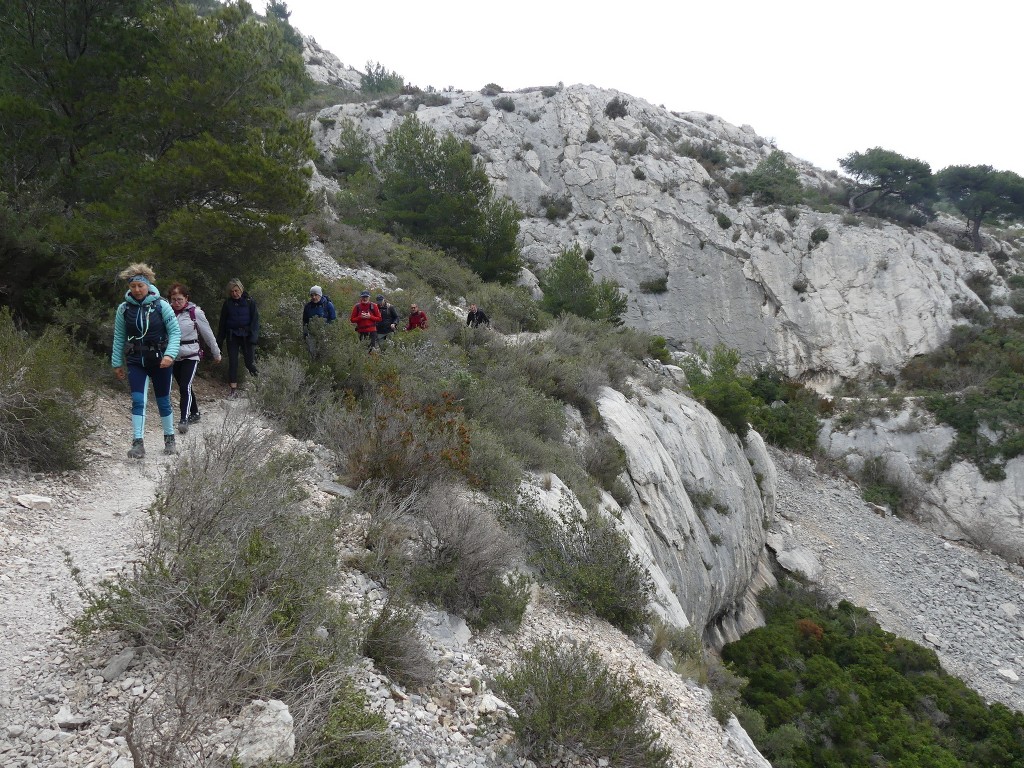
{"x": 697, "y": 267}
{"x": 703, "y": 499}
{"x": 324, "y": 67}
{"x": 955, "y": 501}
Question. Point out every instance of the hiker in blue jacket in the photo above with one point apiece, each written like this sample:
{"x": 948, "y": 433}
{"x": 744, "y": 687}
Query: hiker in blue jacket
{"x": 146, "y": 341}
{"x": 317, "y": 306}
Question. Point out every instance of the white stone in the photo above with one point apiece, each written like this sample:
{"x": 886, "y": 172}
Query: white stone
{"x": 267, "y": 733}
{"x": 33, "y": 501}
{"x": 1008, "y": 674}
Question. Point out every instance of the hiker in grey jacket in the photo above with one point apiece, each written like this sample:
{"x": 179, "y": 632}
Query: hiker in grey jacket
{"x": 194, "y": 326}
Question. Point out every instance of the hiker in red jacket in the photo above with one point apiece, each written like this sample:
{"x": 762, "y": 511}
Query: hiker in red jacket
{"x": 417, "y": 318}
{"x": 365, "y": 316}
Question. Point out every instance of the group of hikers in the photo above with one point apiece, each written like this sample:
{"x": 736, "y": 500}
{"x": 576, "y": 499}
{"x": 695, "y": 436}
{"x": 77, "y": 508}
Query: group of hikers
{"x": 374, "y": 321}
{"x": 159, "y": 340}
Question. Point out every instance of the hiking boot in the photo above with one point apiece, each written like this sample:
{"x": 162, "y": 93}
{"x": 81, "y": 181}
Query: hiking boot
{"x": 183, "y": 426}
{"x": 194, "y": 418}
{"x": 138, "y": 450}
{"x": 233, "y": 393}
{"x": 170, "y": 448}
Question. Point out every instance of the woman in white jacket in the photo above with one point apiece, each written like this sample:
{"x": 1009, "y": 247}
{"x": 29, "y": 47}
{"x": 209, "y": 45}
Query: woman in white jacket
{"x": 194, "y": 325}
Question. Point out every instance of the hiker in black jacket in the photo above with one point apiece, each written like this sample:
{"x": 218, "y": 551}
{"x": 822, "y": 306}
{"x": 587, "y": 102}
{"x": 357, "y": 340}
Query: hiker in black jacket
{"x": 388, "y": 318}
{"x": 476, "y": 317}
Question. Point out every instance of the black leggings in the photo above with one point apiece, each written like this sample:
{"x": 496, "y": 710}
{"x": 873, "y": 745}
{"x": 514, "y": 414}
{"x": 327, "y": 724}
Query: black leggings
{"x": 248, "y": 351}
{"x": 184, "y": 373}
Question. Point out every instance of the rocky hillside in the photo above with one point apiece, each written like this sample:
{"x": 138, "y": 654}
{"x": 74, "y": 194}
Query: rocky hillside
{"x": 699, "y": 269}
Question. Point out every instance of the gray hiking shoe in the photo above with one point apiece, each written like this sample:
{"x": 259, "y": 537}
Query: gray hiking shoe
{"x": 170, "y": 448}
{"x": 138, "y": 450}
{"x": 194, "y": 418}
{"x": 183, "y": 426}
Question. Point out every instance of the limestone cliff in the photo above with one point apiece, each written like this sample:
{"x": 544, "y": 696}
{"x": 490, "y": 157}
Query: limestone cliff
{"x": 703, "y": 499}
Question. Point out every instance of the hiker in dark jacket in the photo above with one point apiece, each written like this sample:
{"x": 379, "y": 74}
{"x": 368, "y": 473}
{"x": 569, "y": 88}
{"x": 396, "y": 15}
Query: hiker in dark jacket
{"x": 317, "y": 306}
{"x": 388, "y": 318}
{"x": 240, "y": 327}
{"x": 194, "y": 329}
{"x": 146, "y": 341}
{"x": 476, "y": 317}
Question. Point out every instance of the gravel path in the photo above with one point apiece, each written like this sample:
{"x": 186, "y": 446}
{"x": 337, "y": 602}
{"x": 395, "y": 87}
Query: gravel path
{"x": 95, "y": 516}
{"x": 966, "y": 604}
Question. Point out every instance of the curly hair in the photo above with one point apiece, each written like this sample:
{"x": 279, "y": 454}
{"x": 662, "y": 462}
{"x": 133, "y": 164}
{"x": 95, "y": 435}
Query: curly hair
{"x": 138, "y": 269}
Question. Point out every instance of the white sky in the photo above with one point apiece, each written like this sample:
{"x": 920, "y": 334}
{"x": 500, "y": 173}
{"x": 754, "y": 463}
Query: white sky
{"x": 939, "y": 81}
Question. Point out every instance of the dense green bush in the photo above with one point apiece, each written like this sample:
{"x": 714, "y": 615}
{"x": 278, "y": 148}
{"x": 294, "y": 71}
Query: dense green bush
{"x": 588, "y": 559}
{"x": 351, "y": 737}
{"x": 566, "y": 697}
{"x": 818, "y": 236}
{"x": 833, "y": 688}
{"x": 773, "y": 181}
{"x": 570, "y": 288}
{"x": 783, "y": 411}
{"x": 44, "y": 403}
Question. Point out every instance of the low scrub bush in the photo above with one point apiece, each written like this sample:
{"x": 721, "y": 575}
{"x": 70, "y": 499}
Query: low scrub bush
{"x": 587, "y": 559}
{"x": 351, "y": 737}
{"x": 44, "y": 402}
{"x": 655, "y": 285}
{"x": 617, "y": 107}
{"x": 505, "y": 103}
{"x": 556, "y": 207}
{"x": 391, "y": 639}
{"x": 233, "y": 586}
{"x": 461, "y": 560}
{"x": 566, "y": 697}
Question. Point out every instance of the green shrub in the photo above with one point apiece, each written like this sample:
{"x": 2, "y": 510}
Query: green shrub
{"x": 570, "y": 288}
{"x": 233, "y": 587}
{"x": 655, "y": 285}
{"x": 616, "y": 249}
{"x": 635, "y": 147}
{"x": 723, "y": 220}
{"x": 44, "y": 402}
{"x": 352, "y": 153}
{"x": 556, "y": 207}
{"x": 719, "y": 388}
{"x": 638, "y": 174}
{"x": 491, "y": 89}
{"x": 378, "y": 80}
{"x": 616, "y": 108}
{"x": 461, "y": 560}
{"x": 592, "y": 135}
{"x": 391, "y": 639}
{"x": 505, "y": 103}
{"x": 658, "y": 349}
{"x": 588, "y": 559}
{"x": 351, "y": 737}
{"x": 773, "y": 181}
{"x": 566, "y": 697}
{"x": 818, "y": 236}
{"x": 1016, "y": 301}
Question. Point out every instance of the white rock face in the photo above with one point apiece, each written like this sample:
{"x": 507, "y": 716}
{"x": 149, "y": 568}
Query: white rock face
{"x": 958, "y": 503}
{"x": 868, "y": 298}
{"x": 702, "y": 502}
